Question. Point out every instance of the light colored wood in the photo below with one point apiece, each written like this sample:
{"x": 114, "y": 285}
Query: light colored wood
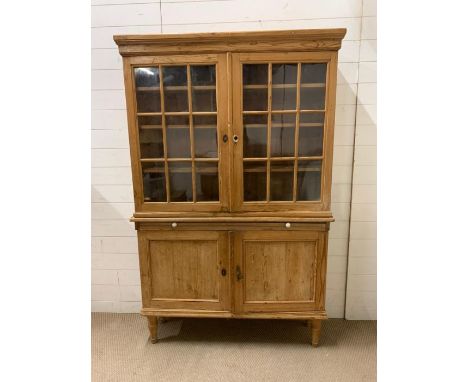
{"x": 280, "y": 270}
{"x": 232, "y": 259}
{"x": 153, "y": 328}
{"x": 288, "y": 40}
{"x": 315, "y": 328}
{"x": 321, "y": 315}
{"x": 183, "y": 269}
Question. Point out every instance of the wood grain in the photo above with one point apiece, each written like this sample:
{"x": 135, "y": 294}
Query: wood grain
{"x": 231, "y": 259}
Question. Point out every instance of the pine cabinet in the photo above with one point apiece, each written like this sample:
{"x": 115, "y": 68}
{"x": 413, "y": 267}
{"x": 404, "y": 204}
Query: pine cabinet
{"x": 231, "y": 143}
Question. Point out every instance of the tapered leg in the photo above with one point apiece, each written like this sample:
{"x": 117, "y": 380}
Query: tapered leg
{"x": 315, "y": 331}
{"x": 153, "y": 328}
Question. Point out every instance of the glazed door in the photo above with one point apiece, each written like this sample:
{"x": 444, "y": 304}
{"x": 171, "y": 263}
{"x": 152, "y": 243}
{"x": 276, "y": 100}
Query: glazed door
{"x": 177, "y": 112}
{"x": 283, "y": 115}
{"x": 185, "y": 270}
{"x": 279, "y": 271}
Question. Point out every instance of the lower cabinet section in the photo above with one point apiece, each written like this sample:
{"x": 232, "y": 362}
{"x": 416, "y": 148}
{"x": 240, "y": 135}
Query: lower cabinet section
{"x": 217, "y": 271}
{"x": 234, "y": 272}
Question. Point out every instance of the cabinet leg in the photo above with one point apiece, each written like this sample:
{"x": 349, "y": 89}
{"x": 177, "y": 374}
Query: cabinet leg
{"x": 315, "y": 326}
{"x": 153, "y": 328}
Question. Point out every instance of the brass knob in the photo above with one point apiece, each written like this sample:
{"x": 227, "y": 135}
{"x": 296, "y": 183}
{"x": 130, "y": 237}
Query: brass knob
{"x": 174, "y": 225}
{"x": 288, "y": 225}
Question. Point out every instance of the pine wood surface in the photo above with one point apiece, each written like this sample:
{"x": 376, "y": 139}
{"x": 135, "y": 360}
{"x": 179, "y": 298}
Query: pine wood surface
{"x": 231, "y": 258}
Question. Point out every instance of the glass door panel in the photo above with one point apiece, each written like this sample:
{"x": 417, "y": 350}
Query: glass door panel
{"x": 283, "y": 128}
{"x": 283, "y": 124}
{"x": 178, "y": 132}
{"x": 154, "y": 181}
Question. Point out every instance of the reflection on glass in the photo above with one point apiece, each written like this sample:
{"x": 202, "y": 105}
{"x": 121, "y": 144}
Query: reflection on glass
{"x": 255, "y": 84}
{"x": 311, "y": 134}
{"x": 178, "y": 137}
{"x": 203, "y": 87}
{"x": 151, "y": 138}
{"x": 146, "y": 77}
{"x": 309, "y": 180}
{"x": 206, "y": 137}
{"x": 282, "y": 135}
{"x": 281, "y": 180}
{"x": 283, "y": 92}
{"x": 206, "y": 180}
{"x": 255, "y": 136}
{"x": 254, "y": 181}
{"x": 175, "y": 88}
{"x": 154, "y": 184}
{"x": 180, "y": 176}
{"x": 147, "y": 90}
{"x": 313, "y": 78}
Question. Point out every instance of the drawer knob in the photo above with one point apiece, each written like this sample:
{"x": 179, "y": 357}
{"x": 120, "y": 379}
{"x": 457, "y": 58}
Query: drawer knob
{"x": 288, "y": 225}
{"x": 174, "y": 225}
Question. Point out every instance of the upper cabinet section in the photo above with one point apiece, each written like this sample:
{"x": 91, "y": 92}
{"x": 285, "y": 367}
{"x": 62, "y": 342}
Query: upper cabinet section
{"x": 232, "y": 122}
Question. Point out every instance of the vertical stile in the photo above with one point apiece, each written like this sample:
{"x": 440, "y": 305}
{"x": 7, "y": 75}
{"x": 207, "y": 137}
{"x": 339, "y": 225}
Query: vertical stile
{"x": 269, "y": 131}
{"x": 296, "y": 131}
{"x": 192, "y": 141}
{"x": 163, "y": 126}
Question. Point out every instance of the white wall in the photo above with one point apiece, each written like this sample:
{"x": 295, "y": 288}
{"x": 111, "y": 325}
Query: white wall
{"x": 115, "y": 274}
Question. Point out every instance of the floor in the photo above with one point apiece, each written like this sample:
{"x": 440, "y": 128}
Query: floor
{"x": 230, "y": 350}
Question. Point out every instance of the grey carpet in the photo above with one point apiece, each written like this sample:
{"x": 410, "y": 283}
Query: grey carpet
{"x": 192, "y": 350}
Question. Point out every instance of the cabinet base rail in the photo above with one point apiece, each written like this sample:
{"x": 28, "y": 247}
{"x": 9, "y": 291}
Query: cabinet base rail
{"x": 314, "y": 319}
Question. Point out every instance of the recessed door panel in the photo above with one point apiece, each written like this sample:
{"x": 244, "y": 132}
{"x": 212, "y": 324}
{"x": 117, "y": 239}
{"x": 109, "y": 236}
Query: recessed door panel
{"x": 185, "y": 269}
{"x": 279, "y": 271}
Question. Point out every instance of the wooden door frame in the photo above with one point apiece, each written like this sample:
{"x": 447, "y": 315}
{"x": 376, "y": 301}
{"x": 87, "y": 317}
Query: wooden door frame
{"x": 149, "y": 304}
{"x": 237, "y": 204}
{"x": 319, "y": 281}
{"x": 220, "y": 61}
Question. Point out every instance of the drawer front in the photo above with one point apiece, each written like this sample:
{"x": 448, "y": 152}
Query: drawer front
{"x": 184, "y": 270}
{"x": 279, "y": 271}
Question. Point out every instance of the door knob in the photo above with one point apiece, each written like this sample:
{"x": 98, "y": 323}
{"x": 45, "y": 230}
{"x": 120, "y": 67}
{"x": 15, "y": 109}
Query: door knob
{"x": 225, "y": 138}
{"x": 235, "y": 138}
{"x": 174, "y": 225}
{"x": 223, "y": 272}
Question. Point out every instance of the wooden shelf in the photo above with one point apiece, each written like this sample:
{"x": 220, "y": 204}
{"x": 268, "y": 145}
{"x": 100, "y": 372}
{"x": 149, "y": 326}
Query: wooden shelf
{"x": 281, "y": 169}
{"x": 176, "y": 113}
{"x": 265, "y": 112}
{"x": 178, "y": 159}
{"x": 259, "y": 125}
{"x": 174, "y": 88}
{"x": 153, "y": 127}
{"x": 158, "y": 170}
{"x": 285, "y": 86}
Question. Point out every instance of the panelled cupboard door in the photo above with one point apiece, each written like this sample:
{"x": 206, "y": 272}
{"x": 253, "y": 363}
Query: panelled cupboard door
{"x": 283, "y": 117}
{"x": 177, "y": 116}
{"x": 185, "y": 270}
{"x": 279, "y": 271}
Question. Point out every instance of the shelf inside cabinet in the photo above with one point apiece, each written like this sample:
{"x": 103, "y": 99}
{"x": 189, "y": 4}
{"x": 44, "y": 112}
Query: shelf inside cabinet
{"x": 262, "y": 125}
{"x": 175, "y": 88}
{"x": 285, "y": 86}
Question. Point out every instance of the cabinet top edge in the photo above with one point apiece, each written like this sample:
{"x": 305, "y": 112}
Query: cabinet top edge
{"x": 305, "y": 39}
